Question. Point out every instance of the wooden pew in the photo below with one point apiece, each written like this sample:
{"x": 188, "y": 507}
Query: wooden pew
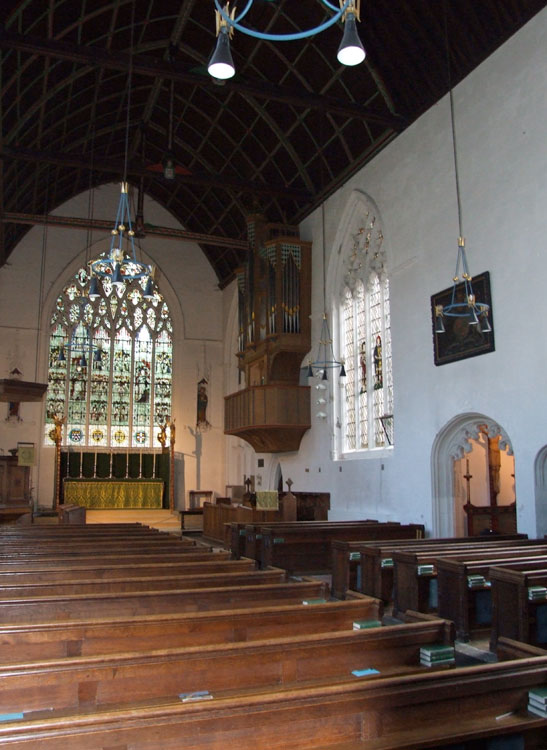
{"x": 74, "y": 546}
{"x": 139, "y": 584}
{"x": 62, "y": 532}
{"x": 51, "y": 640}
{"x": 367, "y": 566}
{"x": 464, "y": 589}
{"x": 310, "y": 506}
{"x": 404, "y": 712}
{"x": 180, "y": 554}
{"x": 245, "y": 537}
{"x": 415, "y": 574}
{"x": 212, "y": 563}
{"x": 513, "y": 612}
{"x": 129, "y": 604}
{"x": 309, "y": 550}
{"x": 131, "y": 677}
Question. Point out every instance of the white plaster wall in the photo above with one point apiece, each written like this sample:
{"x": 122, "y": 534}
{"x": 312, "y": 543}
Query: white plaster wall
{"x": 501, "y": 110}
{"x": 191, "y": 289}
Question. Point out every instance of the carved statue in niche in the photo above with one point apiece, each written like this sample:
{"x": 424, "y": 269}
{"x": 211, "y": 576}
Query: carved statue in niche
{"x": 202, "y": 423}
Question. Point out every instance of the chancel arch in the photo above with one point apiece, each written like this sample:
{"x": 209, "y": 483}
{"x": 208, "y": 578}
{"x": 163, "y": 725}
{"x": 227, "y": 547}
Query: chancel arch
{"x": 472, "y": 460}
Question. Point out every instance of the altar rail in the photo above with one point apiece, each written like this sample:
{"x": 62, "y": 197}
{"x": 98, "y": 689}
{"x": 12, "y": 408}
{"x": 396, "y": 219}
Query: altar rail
{"x": 133, "y": 467}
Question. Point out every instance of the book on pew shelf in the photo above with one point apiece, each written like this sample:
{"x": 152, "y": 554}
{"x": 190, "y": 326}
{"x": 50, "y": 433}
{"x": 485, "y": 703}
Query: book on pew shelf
{"x": 436, "y": 653}
{"x": 354, "y": 556}
{"x": 533, "y": 709}
{"x": 196, "y": 695}
{"x": 364, "y": 624}
{"x": 364, "y": 672}
{"x": 11, "y": 717}
{"x": 387, "y": 562}
{"x": 314, "y": 601}
{"x": 437, "y": 662}
{"x": 537, "y": 593}
{"x": 425, "y": 570}
{"x": 476, "y": 581}
{"x": 538, "y": 695}
{"x": 537, "y": 704}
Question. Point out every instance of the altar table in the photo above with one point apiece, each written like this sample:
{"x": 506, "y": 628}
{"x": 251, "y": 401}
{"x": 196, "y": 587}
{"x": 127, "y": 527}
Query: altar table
{"x": 114, "y": 493}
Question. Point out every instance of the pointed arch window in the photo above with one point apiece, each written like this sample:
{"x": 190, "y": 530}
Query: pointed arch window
{"x": 366, "y": 400}
{"x": 110, "y": 364}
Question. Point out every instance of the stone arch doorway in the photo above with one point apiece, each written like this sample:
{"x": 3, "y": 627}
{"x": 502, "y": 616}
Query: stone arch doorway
{"x": 540, "y": 482}
{"x": 452, "y": 443}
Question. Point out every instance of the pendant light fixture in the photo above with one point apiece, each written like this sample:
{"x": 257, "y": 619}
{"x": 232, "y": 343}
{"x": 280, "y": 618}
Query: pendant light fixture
{"x": 350, "y": 51}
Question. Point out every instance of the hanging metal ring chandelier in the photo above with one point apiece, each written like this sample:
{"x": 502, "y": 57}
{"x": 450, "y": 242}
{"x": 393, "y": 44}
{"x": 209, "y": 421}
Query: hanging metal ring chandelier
{"x": 350, "y": 51}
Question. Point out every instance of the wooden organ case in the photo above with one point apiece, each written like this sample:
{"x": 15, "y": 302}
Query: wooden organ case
{"x": 272, "y": 411}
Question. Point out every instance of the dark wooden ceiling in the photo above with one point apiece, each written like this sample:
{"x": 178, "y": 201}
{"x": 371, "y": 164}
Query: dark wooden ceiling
{"x": 286, "y": 131}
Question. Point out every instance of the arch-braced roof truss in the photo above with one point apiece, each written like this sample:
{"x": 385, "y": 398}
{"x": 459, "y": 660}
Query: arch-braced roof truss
{"x": 285, "y": 132}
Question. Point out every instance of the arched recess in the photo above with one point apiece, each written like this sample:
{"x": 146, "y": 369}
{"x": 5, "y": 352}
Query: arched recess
{"x": 450, "y": 444}
{"x": 540, "y": 483}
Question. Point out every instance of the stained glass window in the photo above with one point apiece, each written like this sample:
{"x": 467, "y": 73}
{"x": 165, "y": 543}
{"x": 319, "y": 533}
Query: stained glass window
{"x": 110, "y": 365}
{"x": 366, "y": 402}
{"x": 368, "y": 392}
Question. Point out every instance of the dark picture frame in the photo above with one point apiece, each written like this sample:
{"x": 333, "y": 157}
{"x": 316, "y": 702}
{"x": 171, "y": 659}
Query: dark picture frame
{"x": 462, "y": 340}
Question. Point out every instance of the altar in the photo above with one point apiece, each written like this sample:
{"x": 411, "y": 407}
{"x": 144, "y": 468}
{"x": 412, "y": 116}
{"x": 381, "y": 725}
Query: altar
{"x": 114, "y": 494}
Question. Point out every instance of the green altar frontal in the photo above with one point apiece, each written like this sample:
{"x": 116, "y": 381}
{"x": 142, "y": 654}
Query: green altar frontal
{"x": 114, "y": 493}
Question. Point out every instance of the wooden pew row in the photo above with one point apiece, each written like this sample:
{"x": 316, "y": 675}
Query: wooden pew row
{"x": 214, "y": 563}
{"x": 367, "y": 566}
{"x": 63, "y": 531}
{"x": 52, "y": 640}
{"x": 74, "y": 545}
{"x": 464, "y": 590}
{"x": 93, "y": 586}
{"x": 137, "y": 677}
{"x": 427, "y": 710}
{"x": 254, "y": 533}
{"x": 216, "y": 515}
{"x": 309, "y": 550}
{"x": 415, "y": 573}
{"x": 180, "y": 554}
{"x": 309, "y": 505}
{"x": 84, "y": 549}
{"x": 513, "y": 611}
{"x": 135, "y": 604}
{"x": 236, "y": 532}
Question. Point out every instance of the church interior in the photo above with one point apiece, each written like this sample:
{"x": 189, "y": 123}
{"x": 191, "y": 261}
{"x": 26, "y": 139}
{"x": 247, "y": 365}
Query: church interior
{"x": 244, "y": 280}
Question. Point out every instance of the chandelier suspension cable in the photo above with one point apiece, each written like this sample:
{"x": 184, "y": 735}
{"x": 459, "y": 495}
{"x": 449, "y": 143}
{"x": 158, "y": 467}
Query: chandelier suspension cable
{"x": 42, "y": 273}
{"x": 119, "y": 266}
{"x": 129, "y": 84}
{"x": 325, "y": 359}
{"x": 463, "y": 303}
